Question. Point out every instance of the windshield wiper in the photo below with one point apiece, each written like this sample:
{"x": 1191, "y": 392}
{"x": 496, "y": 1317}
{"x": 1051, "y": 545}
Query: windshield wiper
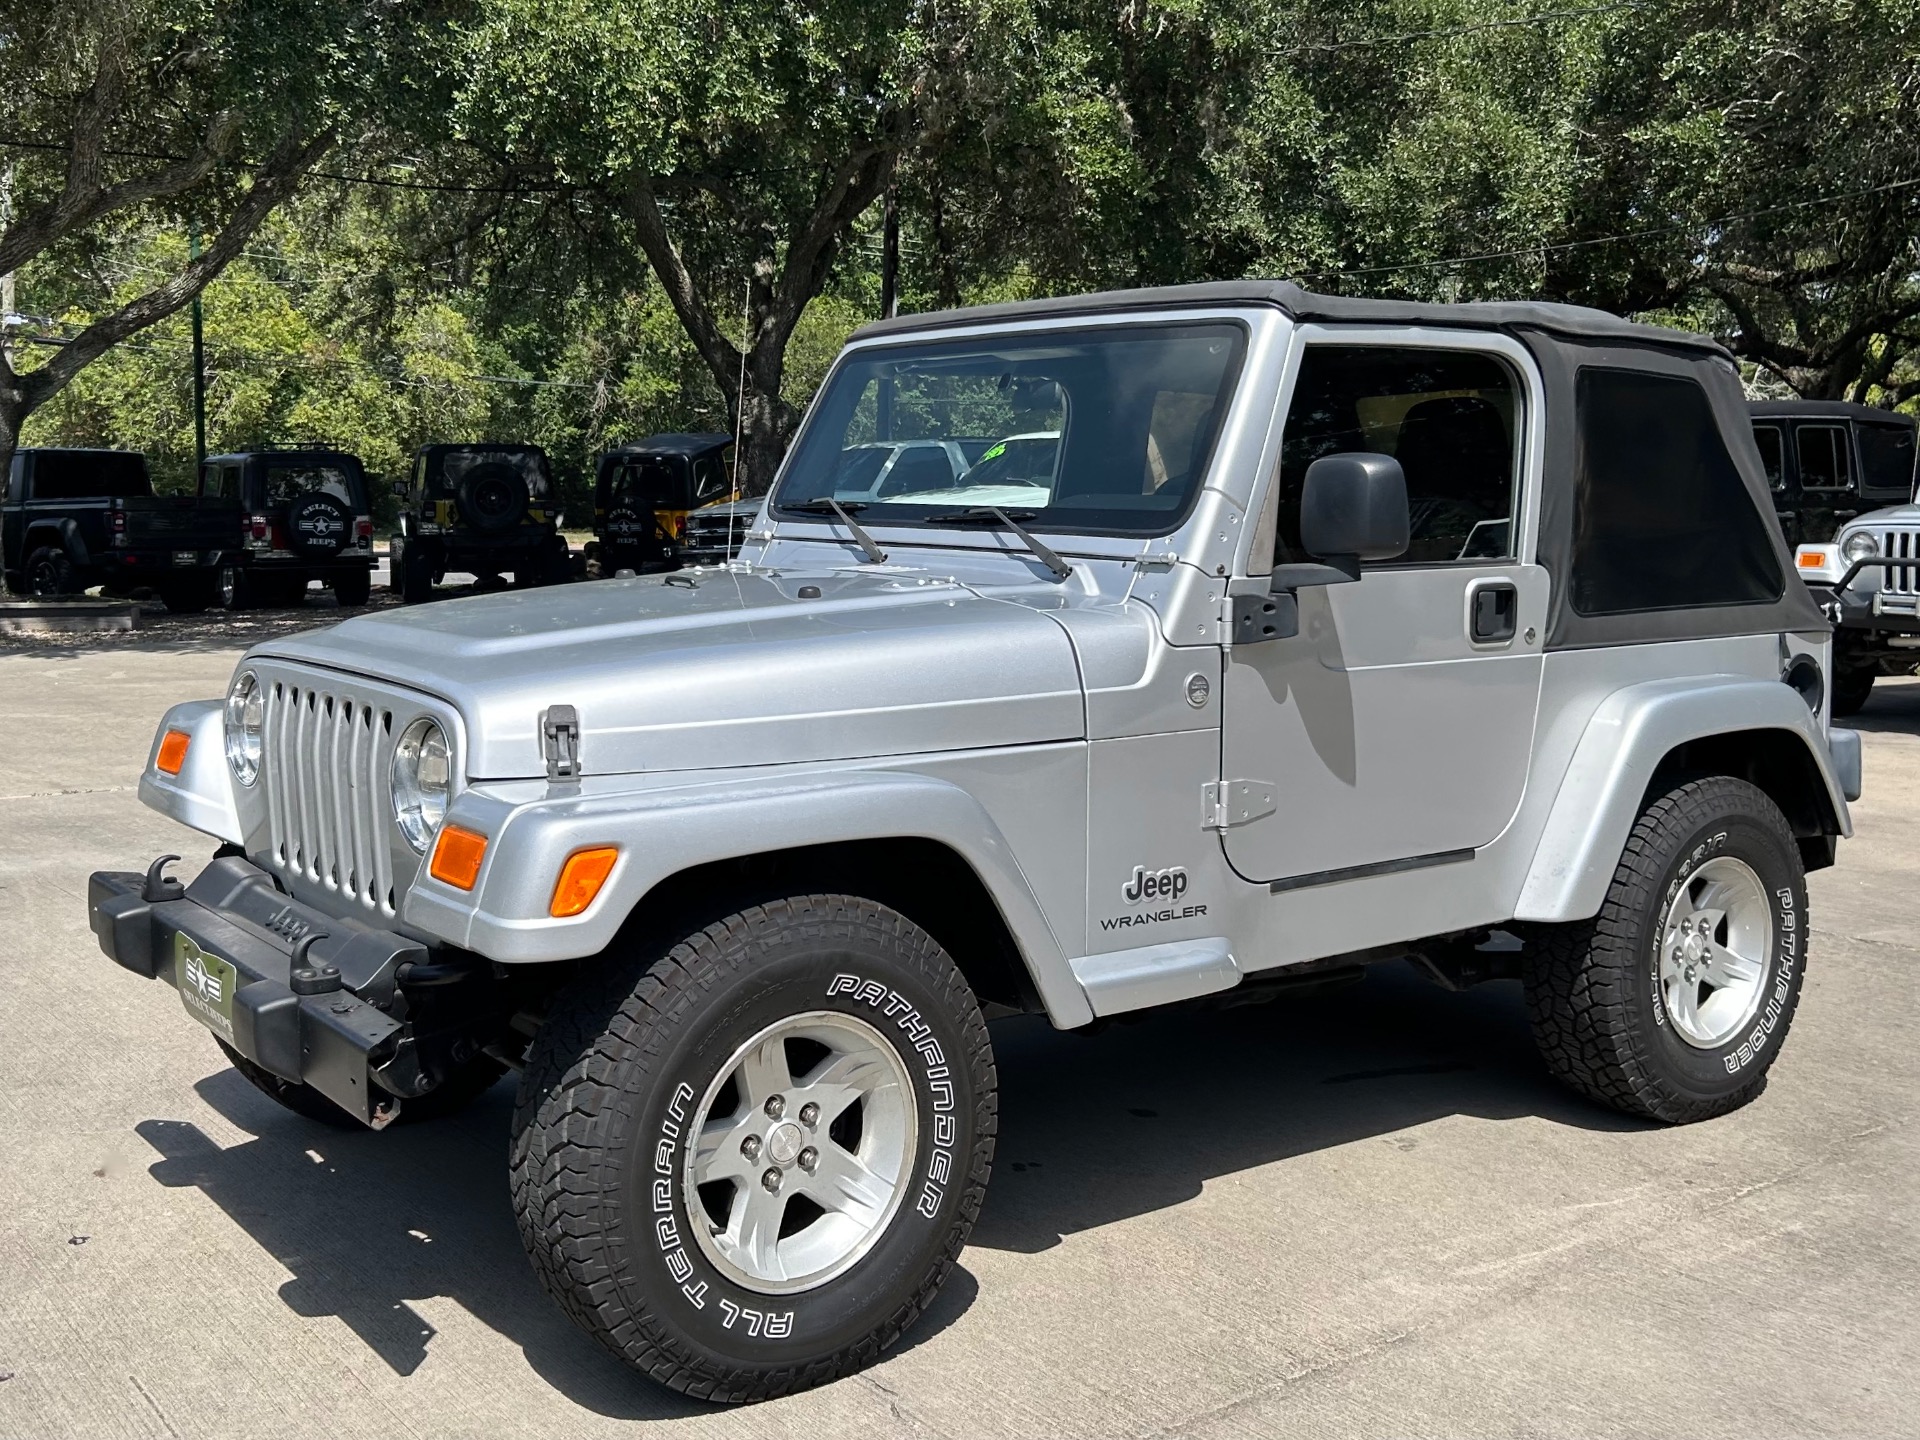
{"x": 993, "y": 515}
{"x": 825, "y": 503}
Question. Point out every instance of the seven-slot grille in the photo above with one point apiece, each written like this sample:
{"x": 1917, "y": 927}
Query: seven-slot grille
{"x": 1901, "y": 579}
{"x": 324, "y": 771}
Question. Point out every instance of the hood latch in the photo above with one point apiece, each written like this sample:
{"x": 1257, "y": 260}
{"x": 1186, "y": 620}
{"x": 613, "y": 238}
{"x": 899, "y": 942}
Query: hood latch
{"x": 560, "y": 742}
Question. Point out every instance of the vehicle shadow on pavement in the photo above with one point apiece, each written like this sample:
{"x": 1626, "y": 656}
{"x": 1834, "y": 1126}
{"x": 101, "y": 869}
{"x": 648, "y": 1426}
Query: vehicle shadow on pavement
{"x": 1096, "y": 1128}
{"x": 369, "y": 1223}
{"x": 1892, "y": 709}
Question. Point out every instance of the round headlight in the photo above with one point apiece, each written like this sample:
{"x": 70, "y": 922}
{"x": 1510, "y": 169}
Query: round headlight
{"x": 1860, "y": 545}
{"x": 422, "y": 782}
{"x": 246, "y": 707}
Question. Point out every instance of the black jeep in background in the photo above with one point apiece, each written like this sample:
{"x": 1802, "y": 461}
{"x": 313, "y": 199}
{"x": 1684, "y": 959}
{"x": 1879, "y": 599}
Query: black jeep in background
{"x": 1828, "y": 461}
{"x": 486, "y": 509}
{"x": 302, "y": 515}
{"x": 643, "y": 494}
{"x": 73, "y": 519}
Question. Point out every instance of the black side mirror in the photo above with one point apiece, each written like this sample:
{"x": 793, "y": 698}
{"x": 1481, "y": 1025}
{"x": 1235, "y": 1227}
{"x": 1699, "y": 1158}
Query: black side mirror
{"x": 1353, "y": 508}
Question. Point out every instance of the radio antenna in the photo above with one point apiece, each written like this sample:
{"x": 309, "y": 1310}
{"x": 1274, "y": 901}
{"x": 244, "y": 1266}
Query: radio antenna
{"x": 740, "y": 412}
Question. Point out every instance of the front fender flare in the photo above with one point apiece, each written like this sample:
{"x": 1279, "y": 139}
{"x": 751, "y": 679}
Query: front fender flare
{"x": 1631, "y": 732}
{"x": 664, "y": 829}
{"x": 201, "y": 795}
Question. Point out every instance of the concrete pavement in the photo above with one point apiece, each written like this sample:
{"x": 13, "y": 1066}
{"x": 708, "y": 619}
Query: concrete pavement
{"x": 1367, "y": 1214}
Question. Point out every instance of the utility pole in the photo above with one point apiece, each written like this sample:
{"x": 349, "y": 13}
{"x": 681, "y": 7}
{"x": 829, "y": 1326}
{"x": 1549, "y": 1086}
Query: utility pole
{"x": 199, "y": 370}
{"x": 6, "y": 280}
{"x": 890, "y": 256}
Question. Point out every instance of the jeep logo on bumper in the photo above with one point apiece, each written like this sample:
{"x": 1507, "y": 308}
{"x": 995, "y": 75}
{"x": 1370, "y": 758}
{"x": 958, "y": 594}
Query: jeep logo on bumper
{"x": 1154, "y": 884}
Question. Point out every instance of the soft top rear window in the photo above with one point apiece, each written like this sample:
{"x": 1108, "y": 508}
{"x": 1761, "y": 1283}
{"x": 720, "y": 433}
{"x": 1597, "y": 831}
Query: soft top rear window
{"x": 289, "y": 478}
{"x": 529, "y": 465}
{"x": 88, "y": 475}
{"x": 1886, "y": 459}
{"x": 1662, "y": 519}
{"x": 1099, "y": 430}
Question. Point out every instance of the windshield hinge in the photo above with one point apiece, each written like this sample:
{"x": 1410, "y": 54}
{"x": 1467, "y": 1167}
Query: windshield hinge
{"x": 1165, "y": 560}
{"x": 1227, "y": 803}
{"x": 560, "y": 742}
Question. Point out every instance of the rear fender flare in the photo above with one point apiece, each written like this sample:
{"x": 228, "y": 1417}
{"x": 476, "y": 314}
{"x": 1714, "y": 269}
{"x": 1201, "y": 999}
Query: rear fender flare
{"x": 663, "y": 831}
{"x": 64, "y": 533}
{"x": 1629, "y": 735}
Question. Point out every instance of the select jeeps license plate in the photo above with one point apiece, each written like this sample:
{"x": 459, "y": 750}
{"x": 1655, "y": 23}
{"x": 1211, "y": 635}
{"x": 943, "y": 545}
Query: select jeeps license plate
{"x": 206, "y": 984}
{"x": 185, "y": 557}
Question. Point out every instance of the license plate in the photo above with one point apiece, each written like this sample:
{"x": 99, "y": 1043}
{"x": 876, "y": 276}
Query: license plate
{"x": 185, "y": 557}
{"x": 206, "y": 984}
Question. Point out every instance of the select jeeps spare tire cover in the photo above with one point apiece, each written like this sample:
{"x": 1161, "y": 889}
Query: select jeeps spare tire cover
{"x": 492, "y": 496}
{"x": 318, "y": 525}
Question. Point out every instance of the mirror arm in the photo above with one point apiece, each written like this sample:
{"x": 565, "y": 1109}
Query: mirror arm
{"x": 1276, "y": 614}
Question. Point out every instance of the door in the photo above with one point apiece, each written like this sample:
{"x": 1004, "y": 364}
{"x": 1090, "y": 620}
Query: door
{"x": 1396, "y": 728}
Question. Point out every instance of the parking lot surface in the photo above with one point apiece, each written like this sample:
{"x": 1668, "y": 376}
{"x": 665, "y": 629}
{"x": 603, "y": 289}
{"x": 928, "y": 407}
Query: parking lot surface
{"x": 1366, "y": 1214}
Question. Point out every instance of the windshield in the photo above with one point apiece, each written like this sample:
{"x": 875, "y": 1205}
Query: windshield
{"x": 1103, "y": 430}
{"x": 288, "y": 480}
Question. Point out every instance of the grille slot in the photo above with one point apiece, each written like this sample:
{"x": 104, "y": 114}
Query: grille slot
{"x": 325, "y": 780}
{"x": 1901, "y": 579}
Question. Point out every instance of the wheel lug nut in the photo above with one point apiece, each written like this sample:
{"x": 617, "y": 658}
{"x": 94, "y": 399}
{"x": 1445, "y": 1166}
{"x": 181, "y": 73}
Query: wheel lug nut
{"x": 809, "y": 1158}
{"x": 771, "y": 1180}
{"x": 776, "y": 1107}
{"x": 809, "y": 1114}
{"x": 750, "y": 1147}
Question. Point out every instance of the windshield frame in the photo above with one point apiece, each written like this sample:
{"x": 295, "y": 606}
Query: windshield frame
{"x": 922, "y": 530}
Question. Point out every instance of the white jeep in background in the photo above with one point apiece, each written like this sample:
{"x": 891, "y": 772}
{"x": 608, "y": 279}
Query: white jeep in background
{"x": 1327, "y": 632}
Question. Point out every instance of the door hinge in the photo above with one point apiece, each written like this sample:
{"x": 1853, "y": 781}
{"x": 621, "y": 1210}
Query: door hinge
{"x": 560, "y": 742}
{"x": 1227, "y": 803}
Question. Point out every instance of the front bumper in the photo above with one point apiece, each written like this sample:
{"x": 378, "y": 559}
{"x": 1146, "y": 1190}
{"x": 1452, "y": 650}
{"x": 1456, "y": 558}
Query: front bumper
{"x": 340, "y": 1039}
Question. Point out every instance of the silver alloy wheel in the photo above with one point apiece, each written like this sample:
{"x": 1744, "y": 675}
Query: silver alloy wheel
{"x": 780, "y": 1139}
{"x": 1714, "y": 949}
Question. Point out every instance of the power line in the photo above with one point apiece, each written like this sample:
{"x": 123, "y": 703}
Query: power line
{"x": 1587, "y": 241}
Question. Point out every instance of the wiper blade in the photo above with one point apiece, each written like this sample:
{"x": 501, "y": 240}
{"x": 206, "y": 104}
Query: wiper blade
{"x": 825, "y": 503}
{"x": 992, "y": 515}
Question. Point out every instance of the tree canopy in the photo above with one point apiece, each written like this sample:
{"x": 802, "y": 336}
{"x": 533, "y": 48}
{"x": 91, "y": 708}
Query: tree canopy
{"x": 576, "y": 223}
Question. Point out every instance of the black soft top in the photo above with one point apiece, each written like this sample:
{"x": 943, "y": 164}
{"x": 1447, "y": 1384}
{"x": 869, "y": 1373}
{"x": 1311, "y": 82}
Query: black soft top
{"x": 692, "y": 445}
{"x": 1825, "y": 410}
{"x": 1575, "y": 322}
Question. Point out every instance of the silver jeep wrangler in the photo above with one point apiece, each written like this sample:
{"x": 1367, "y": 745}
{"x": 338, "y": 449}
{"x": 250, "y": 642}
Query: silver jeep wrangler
{"x": 1259, "y": 636}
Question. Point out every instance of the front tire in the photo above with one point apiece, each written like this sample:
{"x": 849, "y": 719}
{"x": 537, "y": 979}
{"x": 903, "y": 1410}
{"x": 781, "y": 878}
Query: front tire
{"x": 353, "y": 587}
{"x": 1673, "y": 1001}
{"x": 746, "y": 1165}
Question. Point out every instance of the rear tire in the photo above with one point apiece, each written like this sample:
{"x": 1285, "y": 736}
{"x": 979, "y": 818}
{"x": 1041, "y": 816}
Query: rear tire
{"x": 416, "y": 576}
{"x": 1850, "y": 691}
{"x": 1630, "y": 1009}
{"x": 728, "y": 1287}
{"x": 355, "y": 587}
{"x": 50, "y": 574}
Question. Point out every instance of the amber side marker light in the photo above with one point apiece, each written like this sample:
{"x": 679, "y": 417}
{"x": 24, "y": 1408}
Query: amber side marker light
{"x": 173, "y": 752}
{"x": 456, "y": 857}
{"x": 1814, "y": 561}
{"x": 580, "y": 880}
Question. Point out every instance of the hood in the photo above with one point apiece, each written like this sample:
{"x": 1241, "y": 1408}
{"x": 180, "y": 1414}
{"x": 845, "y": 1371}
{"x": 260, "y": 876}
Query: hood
{"x": 1875, "y": 519}
{"x": 710, "y": 669}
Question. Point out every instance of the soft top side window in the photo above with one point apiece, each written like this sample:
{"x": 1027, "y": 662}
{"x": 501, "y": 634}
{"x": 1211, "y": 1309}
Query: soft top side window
{"x": 1825, "y": 455}
{"x": 1450, "y": 417}
{"x": 1773, "y": 454}
{"x": 1662, "y": 519}
{"x": 1886, "y": 458}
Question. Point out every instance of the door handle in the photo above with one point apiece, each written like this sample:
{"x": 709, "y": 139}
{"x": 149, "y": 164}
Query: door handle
{"x": 1493, "y": 612}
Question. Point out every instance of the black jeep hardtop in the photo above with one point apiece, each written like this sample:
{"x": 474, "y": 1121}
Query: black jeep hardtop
{"x": 1828, "y": 461}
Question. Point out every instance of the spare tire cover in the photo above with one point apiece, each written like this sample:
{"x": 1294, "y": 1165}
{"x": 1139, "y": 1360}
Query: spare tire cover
{"x": 318, "y": 525}
{"x": 492, "y": 496}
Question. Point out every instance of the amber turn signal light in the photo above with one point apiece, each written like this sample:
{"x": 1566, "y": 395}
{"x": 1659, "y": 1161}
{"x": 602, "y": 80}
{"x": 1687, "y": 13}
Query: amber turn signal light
{"x": 456, "y": 857}
{"x": 580, "y": 880}
{"x": 1813, "y": 561}
{"x": 173, "y": 752}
